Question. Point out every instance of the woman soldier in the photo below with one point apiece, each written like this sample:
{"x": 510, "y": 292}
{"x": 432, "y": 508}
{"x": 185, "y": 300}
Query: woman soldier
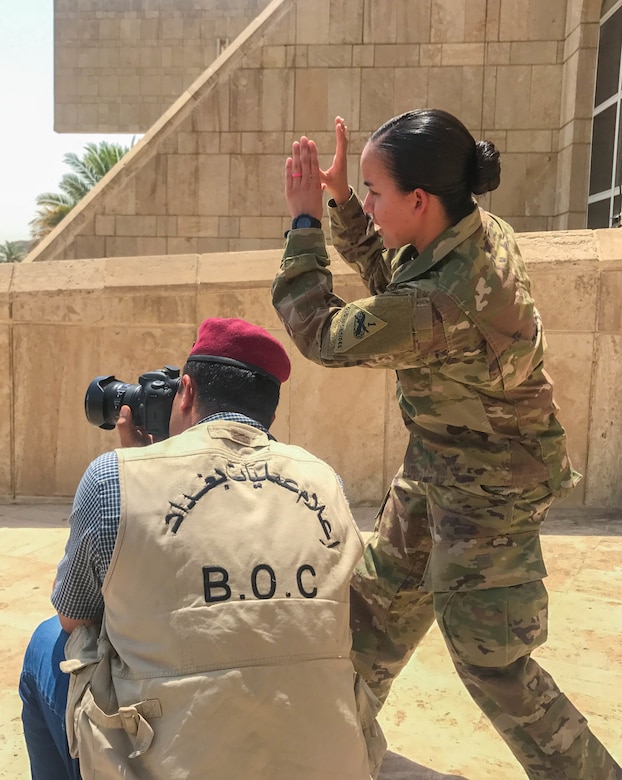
{"x": 450, "y": 310}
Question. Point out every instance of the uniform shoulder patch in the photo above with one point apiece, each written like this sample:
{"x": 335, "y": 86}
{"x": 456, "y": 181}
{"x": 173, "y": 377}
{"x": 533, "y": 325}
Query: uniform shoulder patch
{"x": 356, "y": 325}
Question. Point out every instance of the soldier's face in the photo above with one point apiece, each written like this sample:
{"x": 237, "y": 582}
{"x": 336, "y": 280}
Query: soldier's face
{"x": 393, "y": 211}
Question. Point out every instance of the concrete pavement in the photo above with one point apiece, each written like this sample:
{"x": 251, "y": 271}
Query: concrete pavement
{"x": 434, "y": 730}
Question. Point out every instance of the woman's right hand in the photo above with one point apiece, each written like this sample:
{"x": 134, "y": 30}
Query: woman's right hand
{"x": 335, "y": 178}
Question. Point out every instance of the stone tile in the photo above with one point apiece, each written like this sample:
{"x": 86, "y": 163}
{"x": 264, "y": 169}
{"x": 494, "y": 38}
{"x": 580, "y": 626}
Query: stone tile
{"x": 379, "y": 22}
{"x": 604, "y": 487}
{"x": 345, "y": 22}
{"x": 413, "y": 22}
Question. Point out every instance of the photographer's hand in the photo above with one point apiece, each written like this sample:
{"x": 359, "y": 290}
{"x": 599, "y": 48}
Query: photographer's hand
{"x": 130, "y": 435}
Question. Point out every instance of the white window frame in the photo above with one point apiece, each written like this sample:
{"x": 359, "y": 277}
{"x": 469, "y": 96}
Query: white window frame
{"x": 614, "y": 100}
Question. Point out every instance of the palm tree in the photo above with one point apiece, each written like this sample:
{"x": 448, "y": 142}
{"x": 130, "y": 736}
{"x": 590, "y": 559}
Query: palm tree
{"x": 12, "y": 251}
{"x": 87, "y": 170}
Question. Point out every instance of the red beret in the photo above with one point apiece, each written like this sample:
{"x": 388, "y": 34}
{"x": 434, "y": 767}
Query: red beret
{"x": 240, "y": 343}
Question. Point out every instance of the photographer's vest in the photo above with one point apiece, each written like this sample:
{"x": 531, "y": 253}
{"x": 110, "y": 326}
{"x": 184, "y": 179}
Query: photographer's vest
{"x": 227, "y": 613}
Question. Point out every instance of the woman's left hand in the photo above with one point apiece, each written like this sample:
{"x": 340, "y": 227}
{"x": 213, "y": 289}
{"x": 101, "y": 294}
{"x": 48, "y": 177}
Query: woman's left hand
{"x": 303, "y": 184}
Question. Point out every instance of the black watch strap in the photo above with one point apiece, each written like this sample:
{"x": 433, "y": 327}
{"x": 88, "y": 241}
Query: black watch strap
{"x": 305, "y": 221}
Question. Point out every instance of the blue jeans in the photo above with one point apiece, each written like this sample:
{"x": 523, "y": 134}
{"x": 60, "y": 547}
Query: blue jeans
{"x": 43, "y": 690}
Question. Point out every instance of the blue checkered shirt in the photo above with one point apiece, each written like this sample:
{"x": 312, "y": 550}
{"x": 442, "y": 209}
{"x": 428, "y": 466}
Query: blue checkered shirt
{"x": 94, "y": 522}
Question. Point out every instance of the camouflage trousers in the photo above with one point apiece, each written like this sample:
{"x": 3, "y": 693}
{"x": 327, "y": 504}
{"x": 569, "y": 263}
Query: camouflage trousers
{"x": 491, "y": 609}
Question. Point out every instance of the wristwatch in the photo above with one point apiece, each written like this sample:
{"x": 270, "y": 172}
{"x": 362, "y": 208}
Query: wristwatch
{"x": 305, "y": 221}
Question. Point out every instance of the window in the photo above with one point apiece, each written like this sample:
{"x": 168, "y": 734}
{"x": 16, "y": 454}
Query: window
{"x": 605, "y": 193}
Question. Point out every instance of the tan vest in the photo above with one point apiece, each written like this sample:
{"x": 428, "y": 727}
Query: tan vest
{"x": 227, "y": 612}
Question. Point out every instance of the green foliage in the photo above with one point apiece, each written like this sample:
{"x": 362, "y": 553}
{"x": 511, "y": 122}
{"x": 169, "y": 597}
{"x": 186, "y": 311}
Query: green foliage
{"x": 13, "y": 251}
{"x": 87, "y": 170}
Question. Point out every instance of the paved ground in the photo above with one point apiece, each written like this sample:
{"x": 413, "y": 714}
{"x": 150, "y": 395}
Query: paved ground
{"x": 435, "y": 732}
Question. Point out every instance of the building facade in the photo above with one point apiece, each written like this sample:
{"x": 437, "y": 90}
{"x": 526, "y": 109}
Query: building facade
{"x": 207, "y": 175}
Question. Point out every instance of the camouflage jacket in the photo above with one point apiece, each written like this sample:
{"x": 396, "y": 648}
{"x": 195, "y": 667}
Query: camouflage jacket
{"x": 458, "y": 325}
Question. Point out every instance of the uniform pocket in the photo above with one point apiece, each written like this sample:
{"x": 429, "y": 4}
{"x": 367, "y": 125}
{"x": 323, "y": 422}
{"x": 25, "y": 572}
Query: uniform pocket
{"x": 493, "y": 627}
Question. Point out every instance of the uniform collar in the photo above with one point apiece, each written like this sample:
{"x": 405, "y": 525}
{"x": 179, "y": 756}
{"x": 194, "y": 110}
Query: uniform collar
{"x": 409, "y": 265}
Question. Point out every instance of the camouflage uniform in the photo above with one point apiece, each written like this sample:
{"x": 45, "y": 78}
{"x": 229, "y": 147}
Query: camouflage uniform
{"x": 457, "y": 537}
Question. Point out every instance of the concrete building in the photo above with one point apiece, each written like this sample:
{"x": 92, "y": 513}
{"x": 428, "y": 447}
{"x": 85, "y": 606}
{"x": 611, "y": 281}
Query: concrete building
{"x": 206, "y": 177}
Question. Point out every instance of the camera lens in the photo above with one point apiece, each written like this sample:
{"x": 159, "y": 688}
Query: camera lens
{"x": 104, "y": 398}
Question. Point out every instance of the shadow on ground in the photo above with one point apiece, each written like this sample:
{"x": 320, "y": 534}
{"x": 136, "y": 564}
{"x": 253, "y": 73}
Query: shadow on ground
{"x": 396, "y": 767}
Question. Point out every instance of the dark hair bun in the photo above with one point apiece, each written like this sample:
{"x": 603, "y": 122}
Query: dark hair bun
{"x": 488, "y": 170}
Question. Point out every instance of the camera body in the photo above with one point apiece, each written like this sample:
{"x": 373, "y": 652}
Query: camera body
{"x": 151, "y": 400}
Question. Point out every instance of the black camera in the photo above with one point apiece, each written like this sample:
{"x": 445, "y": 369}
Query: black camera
{"x": 151, "y": 400}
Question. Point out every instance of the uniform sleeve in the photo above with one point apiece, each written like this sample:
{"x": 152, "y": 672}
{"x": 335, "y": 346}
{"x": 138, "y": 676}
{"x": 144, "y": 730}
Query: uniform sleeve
{"x": 355, "y": 238}
{"x": 390, "y": 330}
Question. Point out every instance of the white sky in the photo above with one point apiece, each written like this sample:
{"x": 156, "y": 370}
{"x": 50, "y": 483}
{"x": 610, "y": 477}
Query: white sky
{"x": 32, "y": 156}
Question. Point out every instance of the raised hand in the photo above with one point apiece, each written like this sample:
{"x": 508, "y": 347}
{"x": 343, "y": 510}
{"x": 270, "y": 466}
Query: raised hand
{"x": 303, "y": 185}
{"x": 335, "y": 178}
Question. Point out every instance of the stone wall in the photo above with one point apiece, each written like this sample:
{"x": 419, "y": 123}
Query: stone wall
{"x": 119, "y": 65}
{"x": 207, "y": 176}
{"x": 65, "y": 322}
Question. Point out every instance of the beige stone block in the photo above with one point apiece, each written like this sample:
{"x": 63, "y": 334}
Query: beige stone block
{"x": 166, "y": 226}
{"x": 59, "y": 291}
{"x": 124, "y": 246}
{"x": 462, "y": 54}
{"x": 104, "y": 225}
{"x": 513, "y": 93}
{"x": 197, "y": 226}
{"x": 301, "y": 56}
{"x": 245, "y": 99}
{"x": 533, "y": 53}
{"x": 263, "y": 143}
{"x": 580, "y": 166}
{"x": 213, "y": 245}
{"x": 88, "y": 246}
{"x": 242, "y": 302}
{"x": 514, "y": 20}
{"x": 345, "y": 22}
{"x": 574, "y": 246}
{"x": 270, "y": 194}
{"x": 493, "y": 15}
{"x": 610, "y": 310}
{"x": 430, "y": 54}
{"x": 329, "y": 56}
{"x": 529, "y": 141}
{"x": 344, "y": 88}
{"x": 509, "y": 199}
{"x": 6, "y": 424}
{"x": 556, "y": 283}
{"x": 188, "y": 143}
{"x": 122, "y": 200}
{"x": 230, "y": 143}
{"x": 540, "y": 186}
{"x": 181, "y": 245}
{"x": 183, "y": 193}
{"x": 277, "y": 100}
{"x": 150, "y": 186}
{"x": 260, "y": 227}
{"x": 412, "y": 22}
{"x": 604, "y": 486}
{"x": 244, "y": 187}
{"x": 212, "y": 173}
{"x": 151, "y": 245}
{"x": 377, "y": 97}
{"x": 135, "y": 226}
{"x": 363, "y": 56}
{"x": 311, "y": 99}
{"x": 576, "y": 131}
{"x": 447, "y": 20}
{"x": 313, "y": 21}
{"x": 498, "y": 53}
{"x": 380, "y": 22}
{"x": 349, "y": 436}
{"x": 568, "y": 361}
{"x": 395, "y": 433}
{"x": 545, "y": 98}
{"x": 229, "y": 227}
{"x": 609, "y": 243}
{"x": 459, "y": 91}
{"x": 396, "y": 55}
{"x": 273, "y": 56}
{"x": 219, "y": 109}
{"x": 411, "y": 89}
